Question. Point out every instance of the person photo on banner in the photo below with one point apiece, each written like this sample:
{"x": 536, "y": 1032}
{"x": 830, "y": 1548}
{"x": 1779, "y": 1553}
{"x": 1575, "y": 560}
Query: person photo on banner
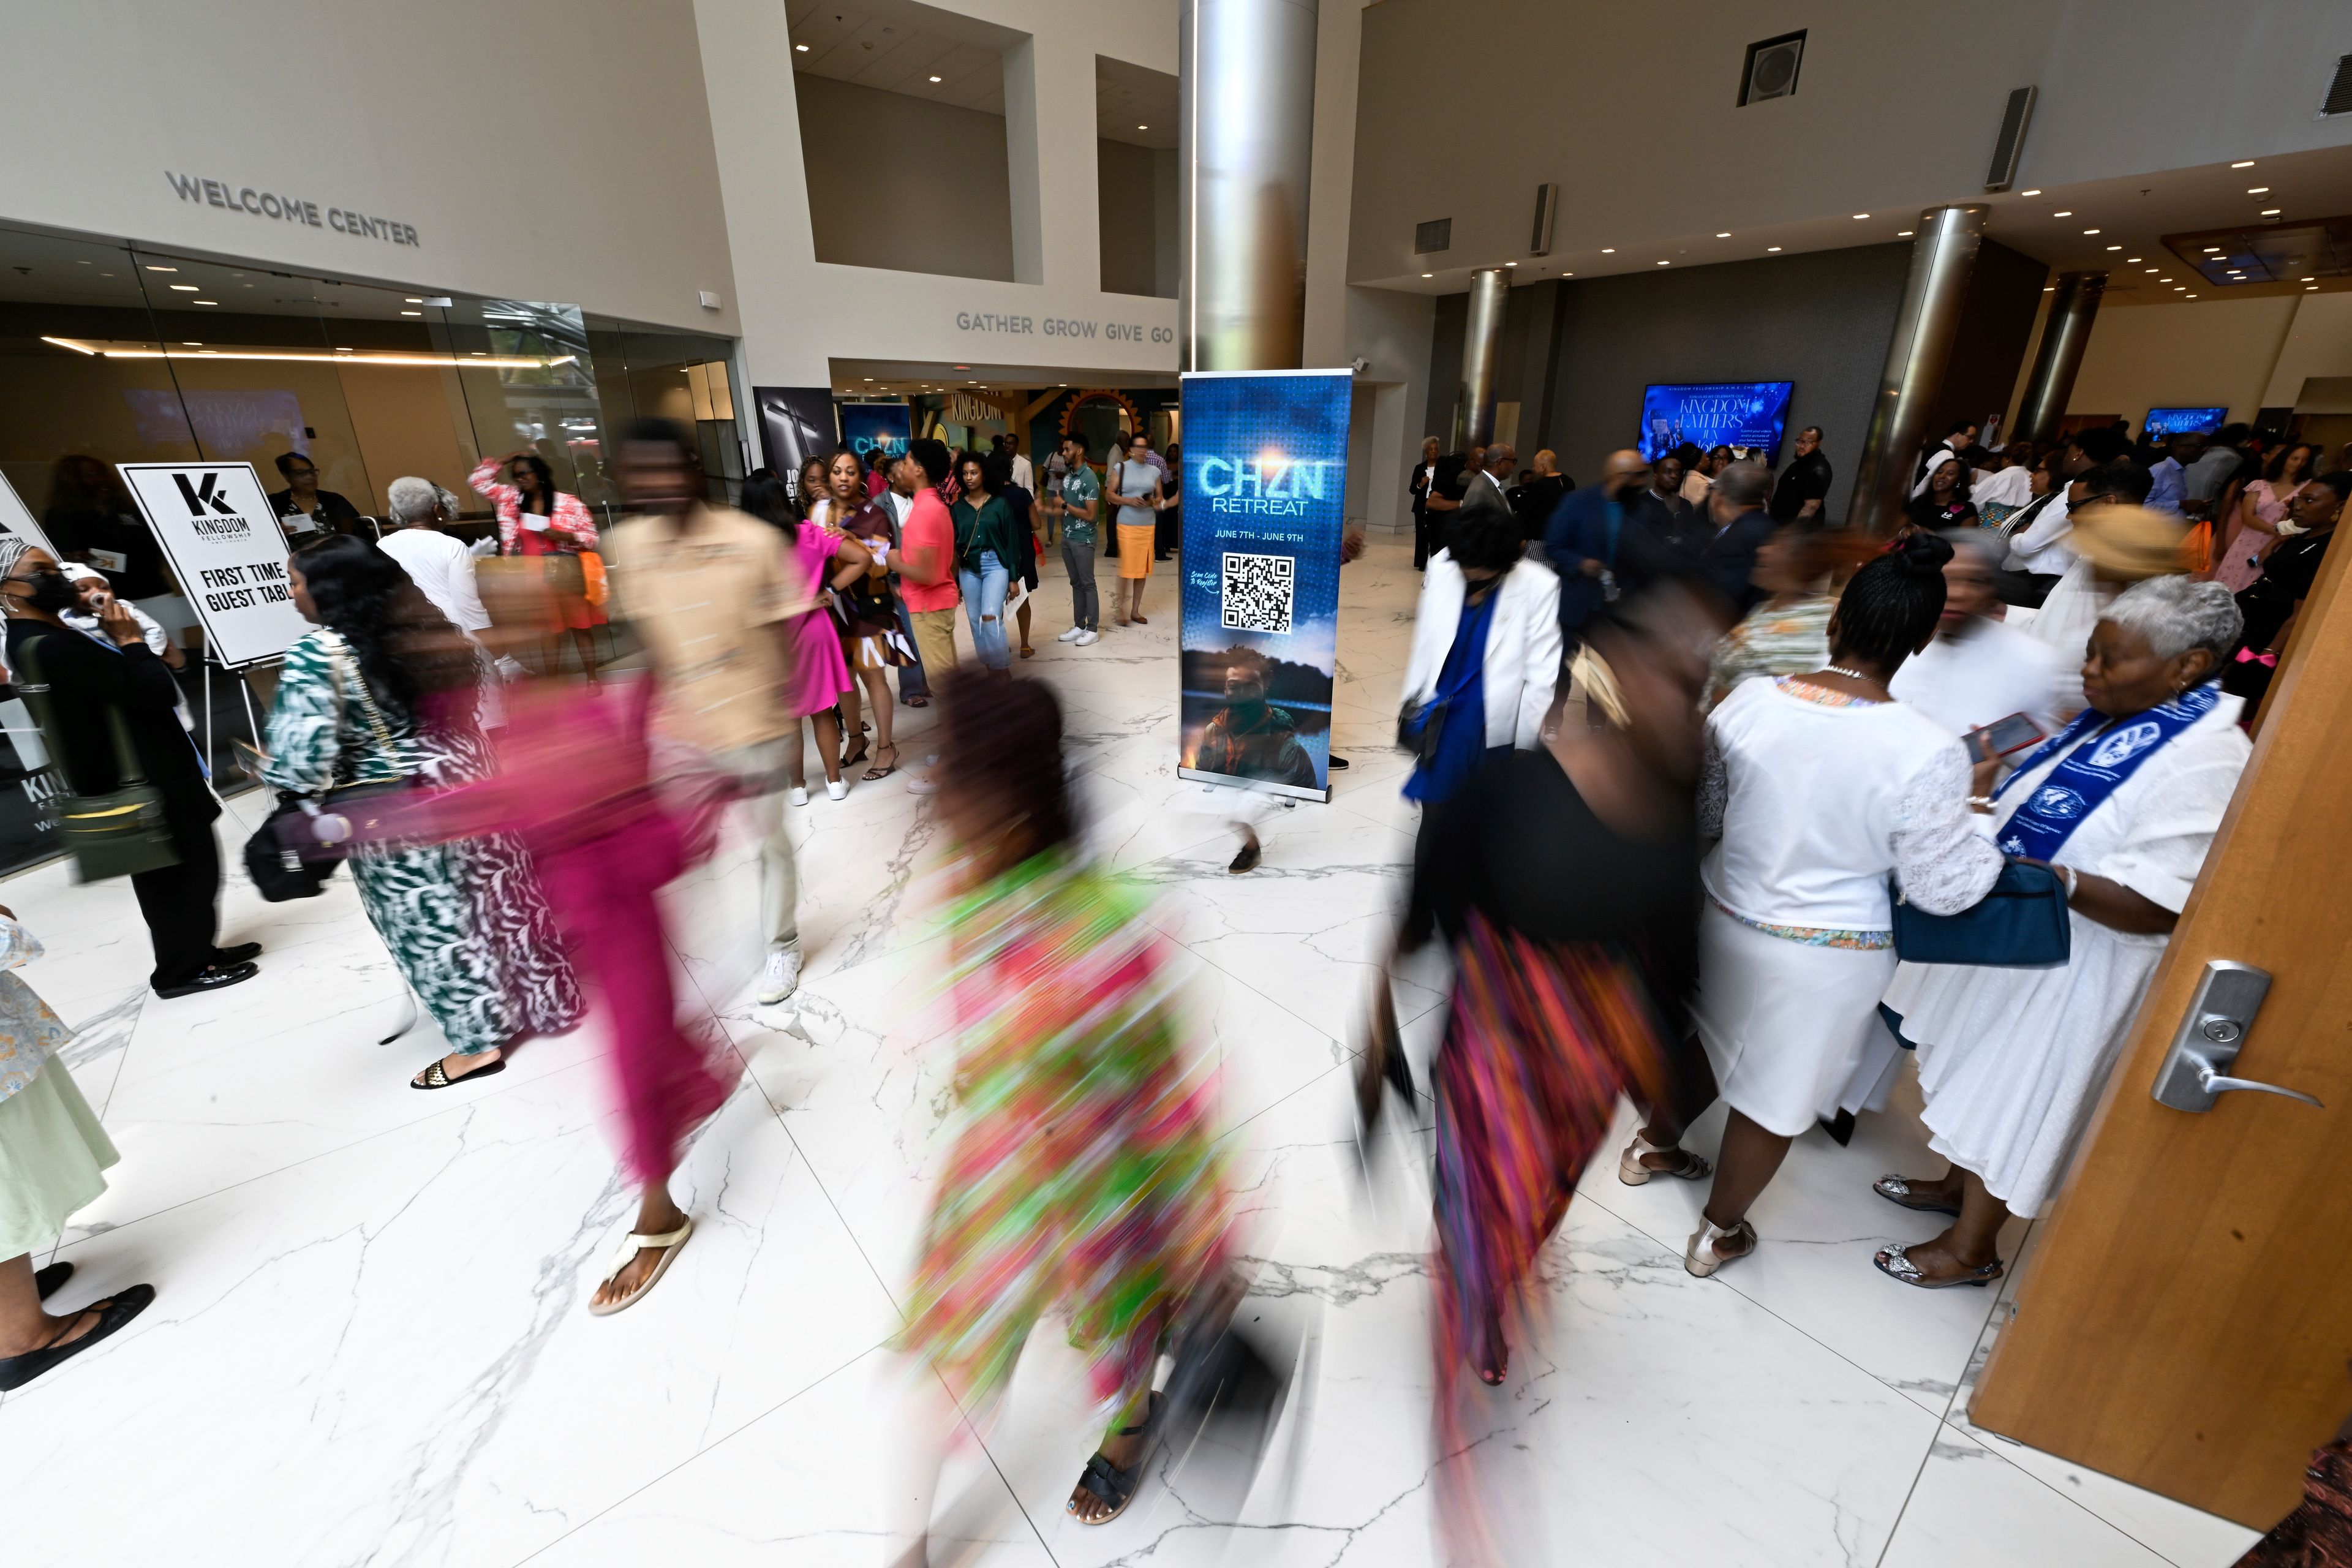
{"x": 1249, "y": 738}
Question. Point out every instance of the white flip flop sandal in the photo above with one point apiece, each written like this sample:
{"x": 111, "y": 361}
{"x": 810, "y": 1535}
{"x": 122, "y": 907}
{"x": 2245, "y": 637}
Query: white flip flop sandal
{"x": 669, "y": 1241}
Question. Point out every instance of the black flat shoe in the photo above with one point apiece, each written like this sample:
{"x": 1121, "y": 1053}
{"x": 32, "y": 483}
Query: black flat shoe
{"x": 46, "y": 1281}
{"x": 211, "y": 980}
{"x": 1338, "y": 765}
{"x": 436, "y": 1076}
{"x": 1246, "y": 860}
{"x": 243, "y": 952}
{"x": 113, "y": 1312}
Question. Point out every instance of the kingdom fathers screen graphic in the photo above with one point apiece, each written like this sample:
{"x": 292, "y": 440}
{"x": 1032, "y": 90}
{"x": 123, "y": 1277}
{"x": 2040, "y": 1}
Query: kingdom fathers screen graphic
{"x": 1265, "y": 493}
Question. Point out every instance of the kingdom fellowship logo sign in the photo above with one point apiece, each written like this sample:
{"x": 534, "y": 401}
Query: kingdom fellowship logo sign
{"x": 211, "y": 515}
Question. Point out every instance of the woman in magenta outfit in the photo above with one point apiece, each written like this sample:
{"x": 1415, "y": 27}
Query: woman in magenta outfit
{"x": 819, "y": 674}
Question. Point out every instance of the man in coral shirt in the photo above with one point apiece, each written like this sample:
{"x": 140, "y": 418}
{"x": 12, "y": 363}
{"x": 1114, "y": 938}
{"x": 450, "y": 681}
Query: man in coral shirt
{"x": 927, "y": 577}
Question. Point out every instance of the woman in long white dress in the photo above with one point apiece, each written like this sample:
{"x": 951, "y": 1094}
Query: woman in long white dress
{"x": 1819, "y": 785}
{"x": 2124, "y": 803}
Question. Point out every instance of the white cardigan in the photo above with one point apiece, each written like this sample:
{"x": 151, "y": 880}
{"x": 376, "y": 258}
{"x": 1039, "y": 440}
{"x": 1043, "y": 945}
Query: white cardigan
{"x": 1522, "y": 663}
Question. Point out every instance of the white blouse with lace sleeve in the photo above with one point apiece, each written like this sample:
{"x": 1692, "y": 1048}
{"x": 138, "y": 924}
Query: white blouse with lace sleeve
{"x": 1944, "y": 855}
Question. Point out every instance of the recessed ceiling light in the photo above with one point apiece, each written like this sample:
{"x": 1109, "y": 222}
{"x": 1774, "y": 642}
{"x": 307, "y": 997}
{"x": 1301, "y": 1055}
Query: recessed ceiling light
{"x": 2270, "y": 212}
{"x": 204, "y": 302}
{"x": 2244, "y": 164}
{"x": 2213, "y": 250}
{"x": 151, "y": 267}
{"x": 2053, "y": 288}
{"x": 476, "y": 351}
{"x": 2188, "y": 295}
{"x": 2311, "y": 288}
{"x": 1725, "y": 235}
{"x": 1429, "y": 275}
{"x": 1771, "y": 248}
{"x": 800, "y": 48}
{"x": 412, "y": 312}
{"x": 2029, "y": 193}
{"x": 187, "y": 288}
{"x": 1143, "y": 128}
{"x": 190, "y": 345}
{"x": 2308, "y": 280}
{"x": 2180, "y": 288}
{"x": 2068, "y": 212}
{"x": 1608, "y": 250}
{"x": 2115, "y": 247}
{"x": 347, "y": 350}
{"x": 934, "y": 78}
{"x": 2155, "y": 270}
{"x": 1510, "y": 264}
{"x": 869, "y": 378}
{"x": 1905, "y": 233}
{"x": 2258, "y": 190}
{"x": 2129, "y": 260}
{"x": 2090, "y": 231}
{"x": 1665, "y": 264}
{"x": 1861, "y": 214}
{"x": 412, "y": 300}
{"x": 1567, "y": 275}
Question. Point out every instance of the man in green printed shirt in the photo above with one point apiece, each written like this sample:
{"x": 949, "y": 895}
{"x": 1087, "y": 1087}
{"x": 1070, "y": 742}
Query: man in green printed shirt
{"x": 1078, "y": 503}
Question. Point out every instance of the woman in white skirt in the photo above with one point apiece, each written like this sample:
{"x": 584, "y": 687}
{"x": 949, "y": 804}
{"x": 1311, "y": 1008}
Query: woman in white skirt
{"x": 52, "y": 1151}
{"x": 2124, "y": 803}
{"x": 1819, "y": 787}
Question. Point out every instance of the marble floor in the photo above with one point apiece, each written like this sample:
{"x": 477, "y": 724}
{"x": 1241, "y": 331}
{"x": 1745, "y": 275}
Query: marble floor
{"x": 369, "y": 1346}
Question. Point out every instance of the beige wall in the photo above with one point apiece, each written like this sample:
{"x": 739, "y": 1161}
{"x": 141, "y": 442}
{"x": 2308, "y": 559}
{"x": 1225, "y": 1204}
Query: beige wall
{"x": 944, "y": 205}
{"x": 2154, "y": 356}
{"x": 1136, "y": 187}
{"x": 541, "y": 148}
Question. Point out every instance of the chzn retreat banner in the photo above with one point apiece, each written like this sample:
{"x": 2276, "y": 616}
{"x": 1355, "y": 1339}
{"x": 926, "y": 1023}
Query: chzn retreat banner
{"x": 1264, "y": 488}
{"x": 867, "y": 426}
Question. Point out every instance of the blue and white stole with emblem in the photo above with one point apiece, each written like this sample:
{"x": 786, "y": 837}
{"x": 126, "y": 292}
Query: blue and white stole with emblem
{"x": 2081, "y": 785}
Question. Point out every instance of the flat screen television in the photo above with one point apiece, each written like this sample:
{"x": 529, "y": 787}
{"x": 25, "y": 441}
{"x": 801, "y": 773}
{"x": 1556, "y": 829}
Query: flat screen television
{"x": 1746, "y": 413}
{"x": 2163, "y": 422}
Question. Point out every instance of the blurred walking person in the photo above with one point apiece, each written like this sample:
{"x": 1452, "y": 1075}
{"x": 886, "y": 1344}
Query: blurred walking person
{"x": 1085, "y": 1177}
{"x": 385, "y": 692}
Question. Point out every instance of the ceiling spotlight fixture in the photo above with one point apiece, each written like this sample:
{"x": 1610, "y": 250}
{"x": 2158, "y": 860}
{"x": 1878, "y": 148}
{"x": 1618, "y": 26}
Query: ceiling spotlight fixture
{"x": 1510, "y": 264}
{"x": 2244, "y": 164}
{"x": 204, "y": 302}
{"x": 187, "y": 288}
{"x": 1608, "y": 250}
{"x": 1770, "y": 248}
{"x": 2258, "y": 190}
{"x": 869, "y": 380}
{"x": 934, "y": 78}
{"x": 1143, "y": 128}
{"x": 2213, "y": 250}
{"x": 190, "y": 345}
{"x": 2311, "y": 288}
{"x": 1861, "y": 214}
{"x": 1905, "y": 233}
{"x": 2188, "y": 295}
{"x": 412, "y": 300}
{"x": 2180, "y": 288}
{"x": 1567, "y": 275}
{"x": 2156, "y": 269}
{"x": 2029, "y": 193}
{"x": 2307, "y": 280}
{"x": 1725, "y": 235}
{"x": 1429, "y": 275}
{"x": 1665, "y": 264}
{"x": 151, "y": 267}
{"x": 2068, "y": 212}
{"x": 2090, "y": 231}
{"x": 2129, "y": 260}
{"x": 2270, "y": 212}
{"x": 2115, "y": 247}
{"x": 412, "y": 312}
{"x": 800, "y": 48}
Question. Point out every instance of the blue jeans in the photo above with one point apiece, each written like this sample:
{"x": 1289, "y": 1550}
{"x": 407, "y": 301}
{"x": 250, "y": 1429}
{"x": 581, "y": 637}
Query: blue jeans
{"x": 984, "y": 606}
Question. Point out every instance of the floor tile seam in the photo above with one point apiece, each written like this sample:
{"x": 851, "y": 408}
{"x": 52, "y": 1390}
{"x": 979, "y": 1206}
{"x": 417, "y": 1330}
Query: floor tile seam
{"x": 324, "y": 1154}
{"x": 1979, "y": 1436}
{"x": 711, "y": 1446}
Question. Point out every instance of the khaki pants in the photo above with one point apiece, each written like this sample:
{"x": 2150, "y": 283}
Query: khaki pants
{"x": 935, "y": 640}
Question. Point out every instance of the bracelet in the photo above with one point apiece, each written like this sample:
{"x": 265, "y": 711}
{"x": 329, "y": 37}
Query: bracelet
{"x": 1980, "y": 803}
{"x": 2066, "y": 874}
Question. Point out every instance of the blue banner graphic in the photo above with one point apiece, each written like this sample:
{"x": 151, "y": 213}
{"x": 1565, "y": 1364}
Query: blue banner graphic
{"x": 2163, "y": 422}
{"x": 866, "y": 425}
{"x": 1746, "y": 413}
{"x": 1264, "y": 485}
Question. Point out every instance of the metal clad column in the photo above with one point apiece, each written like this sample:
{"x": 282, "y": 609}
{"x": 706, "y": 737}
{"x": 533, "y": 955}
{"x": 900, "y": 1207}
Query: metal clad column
{"x": 1246, "y": 78}
{"x": 1482, "y": 352}
{"x": 2073, "y": 309}
{"x": 1916, "y": 357}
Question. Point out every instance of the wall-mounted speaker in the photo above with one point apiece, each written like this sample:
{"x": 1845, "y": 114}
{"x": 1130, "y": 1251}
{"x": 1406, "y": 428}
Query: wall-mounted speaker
{"x": 1771, "y": 68}
{"x": 1547, "y": 209}
{"x": 1435, "y": 234}
{"x": 2009, "y": 146}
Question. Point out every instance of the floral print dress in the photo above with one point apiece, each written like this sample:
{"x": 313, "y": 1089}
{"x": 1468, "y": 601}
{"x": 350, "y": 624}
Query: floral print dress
{"x": 1084, "y": 1176}
{"x": 465, "y": 921}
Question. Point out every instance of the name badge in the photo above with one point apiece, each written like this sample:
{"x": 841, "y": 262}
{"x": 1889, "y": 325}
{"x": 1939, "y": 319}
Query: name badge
{"x": 109, "y": 559}
{"x": 535, "y": 522}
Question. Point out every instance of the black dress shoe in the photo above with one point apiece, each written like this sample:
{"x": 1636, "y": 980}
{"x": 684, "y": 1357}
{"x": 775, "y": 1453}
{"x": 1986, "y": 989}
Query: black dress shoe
{"x": 1838, "y": 1127}
{"x": 211, "y": 980}
{"x": 46, "y": 1281}
{"x": 116, "y": 1310}
{"x": 1339, "y": 763}
{"x": 243, "y": 952}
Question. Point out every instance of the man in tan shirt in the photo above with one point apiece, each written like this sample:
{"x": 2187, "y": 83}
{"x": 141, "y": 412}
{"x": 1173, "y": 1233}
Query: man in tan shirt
{"x": 711, "y": 593}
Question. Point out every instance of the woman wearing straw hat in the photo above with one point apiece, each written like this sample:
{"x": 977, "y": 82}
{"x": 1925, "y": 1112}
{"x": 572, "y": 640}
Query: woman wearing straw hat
{"x": 2117, "y": 543}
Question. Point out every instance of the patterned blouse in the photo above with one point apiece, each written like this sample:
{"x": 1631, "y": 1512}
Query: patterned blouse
{"x": 1787, "y": 639}
{"x": 28, "y": 1030}
{"x": 320, "y": 731}
{"x": 570, "y": 524}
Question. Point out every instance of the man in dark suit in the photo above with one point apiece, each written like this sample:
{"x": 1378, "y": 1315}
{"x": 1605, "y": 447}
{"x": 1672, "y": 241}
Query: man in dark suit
{"x": 1603, "y": 541}
{"x": 1536, "y": 500}
{"x": 1736, "y": 511}
{"x": 1489, "y": 488}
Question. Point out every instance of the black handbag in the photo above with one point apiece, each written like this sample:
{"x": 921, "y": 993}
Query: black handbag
{"x": 297, "y": 849}
{"x": 2023, "y": 924}
{"x": 119, "y": 834}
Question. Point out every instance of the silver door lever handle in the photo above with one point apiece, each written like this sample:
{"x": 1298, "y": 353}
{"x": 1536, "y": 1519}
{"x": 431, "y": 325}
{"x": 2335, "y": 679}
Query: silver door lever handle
{"x": 2193, "y": 1073}
{"x": 2212, "y": 1082}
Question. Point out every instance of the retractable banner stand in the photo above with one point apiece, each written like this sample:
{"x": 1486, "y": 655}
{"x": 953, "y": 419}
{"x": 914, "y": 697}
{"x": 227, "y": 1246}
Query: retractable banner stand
{"x": 214, "y": 522}
{"x": 886, "y": 428}
{"x": 1264, "y": 487}
{"x": 796, "y": 424}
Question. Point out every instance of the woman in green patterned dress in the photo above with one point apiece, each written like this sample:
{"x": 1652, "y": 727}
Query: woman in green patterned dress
{"x": 386, "y": 689}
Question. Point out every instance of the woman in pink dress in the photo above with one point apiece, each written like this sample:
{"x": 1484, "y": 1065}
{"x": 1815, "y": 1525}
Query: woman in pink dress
{"x": 819, "y": 673}
{"x": 2260, "y": 510}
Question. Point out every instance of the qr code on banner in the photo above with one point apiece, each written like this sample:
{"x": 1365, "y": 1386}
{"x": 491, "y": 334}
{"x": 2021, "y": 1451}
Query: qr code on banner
{"x": 1257, "y": 593}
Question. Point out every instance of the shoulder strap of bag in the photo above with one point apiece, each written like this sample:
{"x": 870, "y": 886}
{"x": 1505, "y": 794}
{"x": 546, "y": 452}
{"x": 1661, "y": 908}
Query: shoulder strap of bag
{"x": 37, "y": 697}
{"x": 339, "y": 652}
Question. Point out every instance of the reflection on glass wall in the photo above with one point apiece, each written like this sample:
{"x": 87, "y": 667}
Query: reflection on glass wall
{"x": 331, "y": 389}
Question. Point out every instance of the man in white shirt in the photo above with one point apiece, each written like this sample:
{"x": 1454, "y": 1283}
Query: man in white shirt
{"x": 1024, "y": 473}
{"x": 441, "y": 567}
{"x": 1979, "y": 671}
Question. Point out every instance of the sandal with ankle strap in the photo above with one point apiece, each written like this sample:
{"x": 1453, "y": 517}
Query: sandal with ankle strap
{"x": 438, "y": 1076}
{"x": 1895, "y": 1262}
{"x": 1634, "y": 1174}
{"x": 1897, "y": 1190}
{"x": 1108, "y": 1483}
{"x": 878, "y": 771}
{"x": 669, "y": 1241}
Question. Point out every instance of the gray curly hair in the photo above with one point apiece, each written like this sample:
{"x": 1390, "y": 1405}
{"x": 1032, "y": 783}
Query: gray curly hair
{"x": 412, "y": 500}
{"x": 2176, "y": 613}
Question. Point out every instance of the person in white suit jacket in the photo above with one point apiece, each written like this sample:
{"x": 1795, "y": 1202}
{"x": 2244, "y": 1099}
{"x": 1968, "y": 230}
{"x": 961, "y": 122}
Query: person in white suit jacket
{"x": 1486, "y": 654}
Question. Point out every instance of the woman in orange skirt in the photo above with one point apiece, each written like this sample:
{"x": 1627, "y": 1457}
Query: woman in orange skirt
{"x": 1134, "y": 486}
{"x": 536, "y": 519}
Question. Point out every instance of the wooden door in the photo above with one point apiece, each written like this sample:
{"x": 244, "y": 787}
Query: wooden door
{"x": 2187, "y": 1319}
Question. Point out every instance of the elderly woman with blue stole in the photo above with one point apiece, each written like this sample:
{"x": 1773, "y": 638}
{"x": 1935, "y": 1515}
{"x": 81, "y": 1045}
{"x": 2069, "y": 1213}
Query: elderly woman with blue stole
{"x": 2123, "y": 804}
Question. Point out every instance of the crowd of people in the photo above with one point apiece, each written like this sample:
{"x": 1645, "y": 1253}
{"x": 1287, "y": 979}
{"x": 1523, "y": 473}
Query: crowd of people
{"x": 1683, "y": 751}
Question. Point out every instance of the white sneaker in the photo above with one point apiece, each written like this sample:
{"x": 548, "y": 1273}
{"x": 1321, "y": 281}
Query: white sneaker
{"x": 1073, "y": 635}
{"x": 781, "y": 978}
{"x": 1087, "y": 638}
{"x": 922, "y": 783}
{"x": 797, "y": 795}
{"x": 836, "y": 789}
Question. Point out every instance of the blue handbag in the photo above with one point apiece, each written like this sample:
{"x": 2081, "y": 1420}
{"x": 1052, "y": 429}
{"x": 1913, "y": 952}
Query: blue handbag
{"x": 2021, "y": 924}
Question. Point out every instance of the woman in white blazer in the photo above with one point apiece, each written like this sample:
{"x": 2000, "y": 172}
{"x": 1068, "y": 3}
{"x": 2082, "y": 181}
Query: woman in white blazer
{"x": 1485, "y": 653}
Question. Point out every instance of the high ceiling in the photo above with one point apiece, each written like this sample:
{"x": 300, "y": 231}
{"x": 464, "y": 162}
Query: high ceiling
{"x": 1134, "y": 104}
{"x": 896, "y": 46}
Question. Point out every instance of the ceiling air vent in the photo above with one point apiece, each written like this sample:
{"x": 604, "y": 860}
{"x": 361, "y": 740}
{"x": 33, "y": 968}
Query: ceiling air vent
{"x": 2339, "y": 91}
{"x": 1771, "y": 69}
{"x": 1547, "y": 210}
{"x": 2009, "y": 146}
{"x": 1437, "y": 234}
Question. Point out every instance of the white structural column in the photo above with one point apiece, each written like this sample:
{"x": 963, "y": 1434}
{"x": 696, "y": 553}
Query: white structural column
{"x": 1246, "y": 82}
